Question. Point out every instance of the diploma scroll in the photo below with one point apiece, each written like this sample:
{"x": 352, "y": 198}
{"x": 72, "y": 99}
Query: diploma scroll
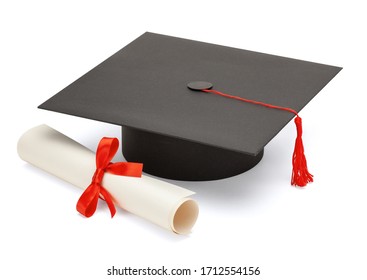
{"x": 160, "y": 202}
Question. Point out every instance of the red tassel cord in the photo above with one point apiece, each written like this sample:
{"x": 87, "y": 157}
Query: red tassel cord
{"x": 300, "y": 174}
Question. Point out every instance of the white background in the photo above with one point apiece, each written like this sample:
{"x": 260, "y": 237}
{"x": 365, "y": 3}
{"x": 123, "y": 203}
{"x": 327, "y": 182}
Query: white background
{"x": 254, "y": 219}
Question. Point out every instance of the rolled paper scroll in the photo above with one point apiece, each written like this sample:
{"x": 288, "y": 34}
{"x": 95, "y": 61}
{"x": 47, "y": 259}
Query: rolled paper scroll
{"x": 162, "y": 203}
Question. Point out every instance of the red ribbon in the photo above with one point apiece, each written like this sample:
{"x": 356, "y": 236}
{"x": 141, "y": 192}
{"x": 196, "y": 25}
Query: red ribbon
{"x": 107, "y": 148}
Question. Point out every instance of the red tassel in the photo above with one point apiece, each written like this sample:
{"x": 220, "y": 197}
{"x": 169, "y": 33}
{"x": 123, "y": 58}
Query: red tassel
{"x": 300, "y": 174}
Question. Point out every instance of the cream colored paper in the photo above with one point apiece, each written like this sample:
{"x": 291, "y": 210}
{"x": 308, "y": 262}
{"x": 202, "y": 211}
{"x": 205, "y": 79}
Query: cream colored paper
{"x": 162, "y": 203}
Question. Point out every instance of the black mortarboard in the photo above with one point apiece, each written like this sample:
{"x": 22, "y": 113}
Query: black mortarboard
{"x": 148, "y": 88}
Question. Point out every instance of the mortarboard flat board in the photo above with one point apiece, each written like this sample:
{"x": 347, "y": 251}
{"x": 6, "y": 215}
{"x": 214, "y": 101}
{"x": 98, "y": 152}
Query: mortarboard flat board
{"x": 179, "y": 133}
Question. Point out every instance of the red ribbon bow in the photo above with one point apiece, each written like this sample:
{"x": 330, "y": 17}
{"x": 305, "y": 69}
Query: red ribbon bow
{"x": 107, "y": 148}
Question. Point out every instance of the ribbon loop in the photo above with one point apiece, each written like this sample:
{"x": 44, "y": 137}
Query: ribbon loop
{"x": 107, "y": 148}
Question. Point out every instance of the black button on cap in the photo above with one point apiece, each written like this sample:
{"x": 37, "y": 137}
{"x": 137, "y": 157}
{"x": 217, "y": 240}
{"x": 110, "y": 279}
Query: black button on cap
{"x": 199, "y": 85}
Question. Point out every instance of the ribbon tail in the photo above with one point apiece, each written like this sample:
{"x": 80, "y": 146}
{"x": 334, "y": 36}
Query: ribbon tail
{"x": 87, "y": 203}
{"x": 107, "y": 197}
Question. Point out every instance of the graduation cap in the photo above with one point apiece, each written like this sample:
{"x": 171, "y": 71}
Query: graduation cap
{"x": 168, "y": 95}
